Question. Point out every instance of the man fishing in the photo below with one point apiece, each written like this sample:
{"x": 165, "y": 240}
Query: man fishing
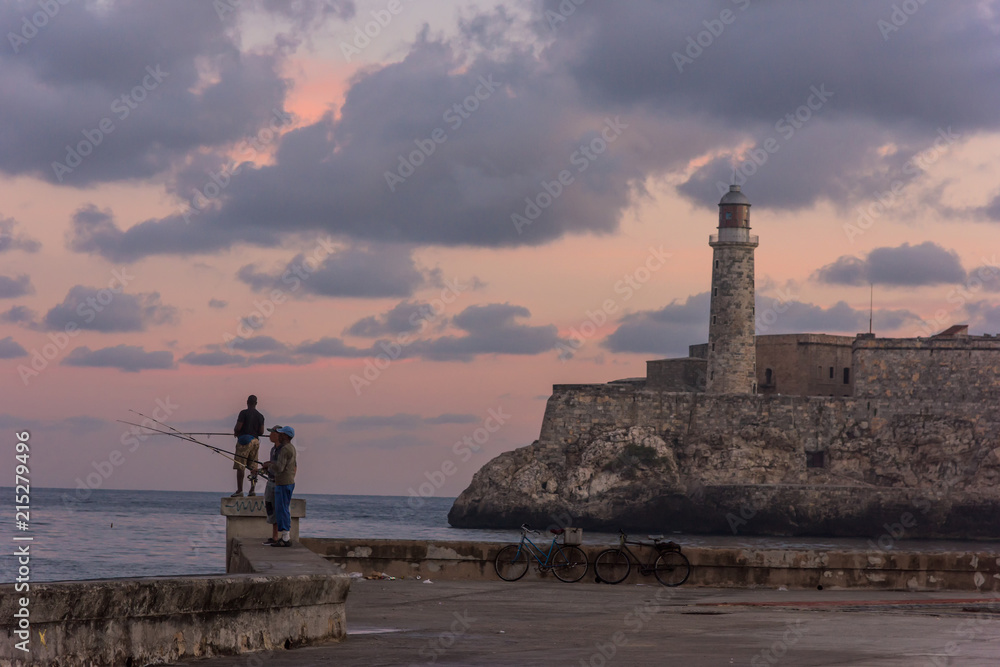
{"x": 249, "y": 427}
{"x": 282, "y": 470}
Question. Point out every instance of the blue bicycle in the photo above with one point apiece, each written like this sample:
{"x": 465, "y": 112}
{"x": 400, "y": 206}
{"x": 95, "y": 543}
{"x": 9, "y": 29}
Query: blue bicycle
{"x": 567, "y": 562}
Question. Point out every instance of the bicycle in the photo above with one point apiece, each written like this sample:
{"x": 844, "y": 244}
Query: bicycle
{"x": 671, "y": 567}
{"x": 567, "y": 562}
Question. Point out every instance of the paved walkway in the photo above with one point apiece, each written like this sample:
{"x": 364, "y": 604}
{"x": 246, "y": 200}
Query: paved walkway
{"x": 540, "y": 623}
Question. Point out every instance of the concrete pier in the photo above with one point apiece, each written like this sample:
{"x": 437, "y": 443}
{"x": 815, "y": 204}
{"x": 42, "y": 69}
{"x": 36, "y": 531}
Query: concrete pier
{"x": 247, "y": 517}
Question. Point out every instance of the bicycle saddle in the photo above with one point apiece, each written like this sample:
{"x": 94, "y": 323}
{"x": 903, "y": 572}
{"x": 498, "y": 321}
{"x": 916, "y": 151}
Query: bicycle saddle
{"x": 557, "y": 531}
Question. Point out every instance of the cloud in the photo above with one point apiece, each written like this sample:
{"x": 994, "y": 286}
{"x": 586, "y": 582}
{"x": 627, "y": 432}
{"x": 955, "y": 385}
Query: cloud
{"x": 390, "y": 443}
{"x": 10, "y": 349}
{"x": 331, "y": 347}
{"x": 490, "y": 329}
{"x": 11, "y": 288}
{"x": 257, "y": 344}
{"x": 108, "y": 311}
{"x": 402, "y": 421}
{"x": 11, "y": 240}
{"x": 213, "y": 359}
{"x": 669, "y": 330}
{"x": 130, "y": 358}
{"x": 405, "y": 317}
{"x": 905, "y": 265}
{"x": 365, "y": 422}
{"x": 302, "y": 419}
{"x": 359, "y": 272}
{"x": 217, "y": 303}
{"x": 18, "y": 315}
{"x": 78, "y": 75}
{"x": 74, "y": 424}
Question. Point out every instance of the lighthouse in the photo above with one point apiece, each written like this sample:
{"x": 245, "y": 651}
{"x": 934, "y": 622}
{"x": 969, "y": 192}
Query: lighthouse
{"x": 732, "y": 347}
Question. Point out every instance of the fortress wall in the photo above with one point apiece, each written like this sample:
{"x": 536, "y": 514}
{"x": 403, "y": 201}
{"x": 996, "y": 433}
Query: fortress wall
{"x": 963, "y": 373}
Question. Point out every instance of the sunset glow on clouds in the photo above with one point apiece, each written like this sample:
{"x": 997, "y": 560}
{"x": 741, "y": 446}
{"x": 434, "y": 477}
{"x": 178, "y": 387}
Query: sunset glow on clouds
{"x": 389, "y": 241}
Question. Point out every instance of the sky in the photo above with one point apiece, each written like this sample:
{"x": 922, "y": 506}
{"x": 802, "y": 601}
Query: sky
{"x": 399, "y": 223}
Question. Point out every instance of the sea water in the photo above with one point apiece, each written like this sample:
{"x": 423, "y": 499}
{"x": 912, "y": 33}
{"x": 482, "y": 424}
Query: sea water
{"x": 170, "y": 533}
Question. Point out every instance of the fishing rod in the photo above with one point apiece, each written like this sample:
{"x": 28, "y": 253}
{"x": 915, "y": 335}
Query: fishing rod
{"x": 226, "y": 454}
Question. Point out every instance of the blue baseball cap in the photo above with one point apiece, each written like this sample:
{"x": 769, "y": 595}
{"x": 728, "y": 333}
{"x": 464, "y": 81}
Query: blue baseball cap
{"x": 287, "y": 430}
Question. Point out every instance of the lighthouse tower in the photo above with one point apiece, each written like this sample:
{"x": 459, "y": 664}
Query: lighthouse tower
{"x": 732, "y": 347}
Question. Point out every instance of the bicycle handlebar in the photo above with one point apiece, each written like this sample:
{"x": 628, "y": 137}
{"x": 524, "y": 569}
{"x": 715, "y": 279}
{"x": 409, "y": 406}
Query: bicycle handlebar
{"x": 526, "y": 529}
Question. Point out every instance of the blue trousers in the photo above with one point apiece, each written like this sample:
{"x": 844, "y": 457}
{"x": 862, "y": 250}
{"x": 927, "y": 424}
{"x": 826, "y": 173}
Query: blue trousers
{"x": 283, "y": 505}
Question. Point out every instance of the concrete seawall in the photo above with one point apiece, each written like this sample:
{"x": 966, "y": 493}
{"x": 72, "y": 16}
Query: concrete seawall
{"x": 977, "y": 569}
{"x": 283, "y": 598}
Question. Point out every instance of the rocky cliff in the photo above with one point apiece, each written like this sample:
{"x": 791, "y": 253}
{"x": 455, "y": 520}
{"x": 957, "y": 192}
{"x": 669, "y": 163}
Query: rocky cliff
{"x": 614, "y": 456}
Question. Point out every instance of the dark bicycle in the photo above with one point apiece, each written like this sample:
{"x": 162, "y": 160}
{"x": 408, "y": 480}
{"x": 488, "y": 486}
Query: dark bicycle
{"x": 671, "y": 567}
{"x": 567, "y": 562}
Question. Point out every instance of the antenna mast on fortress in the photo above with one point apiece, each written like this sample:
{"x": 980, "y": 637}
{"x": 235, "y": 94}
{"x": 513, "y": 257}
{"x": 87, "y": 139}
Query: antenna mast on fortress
{"x": 732, "y": 335}
{"x": 871, "y": 306}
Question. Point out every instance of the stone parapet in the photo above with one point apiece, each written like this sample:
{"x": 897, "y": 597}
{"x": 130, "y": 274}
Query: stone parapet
{"x": 157, "y": 620}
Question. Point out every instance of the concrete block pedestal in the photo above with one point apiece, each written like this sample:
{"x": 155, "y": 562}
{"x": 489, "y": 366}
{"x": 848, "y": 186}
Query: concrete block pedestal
{"x": 247, "y": 517}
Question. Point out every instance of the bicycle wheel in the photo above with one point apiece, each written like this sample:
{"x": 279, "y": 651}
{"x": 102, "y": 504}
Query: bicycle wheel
{"x": 569, "y": 564}
{"x": 511, "y": 562}
{"x": 612, "y": 566}
{"x": 672, "y": 568}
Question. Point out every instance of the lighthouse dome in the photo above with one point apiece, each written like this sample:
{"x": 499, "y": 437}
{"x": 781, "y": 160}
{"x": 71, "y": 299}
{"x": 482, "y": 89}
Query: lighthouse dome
{"x": 734, "y": 196}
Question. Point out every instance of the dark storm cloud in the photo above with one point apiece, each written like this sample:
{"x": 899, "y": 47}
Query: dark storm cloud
{"x": 404, "y": 317}
{"x": 104, "y": 310}
{"x": 217, "y": 303}
{"x": 358, "y": 271}
{"x": 130, "y": 358}
{"x": 491, "y": 329}
{"x": 13, "y": 240}
{"x": 900, "y": 88}
{"x": 85, "y": 80}
{"x": 11, "y": 288}
{"x": 10, "y": 348}
{"x": 671, "y": 329}
{"x": 905, "y": 265}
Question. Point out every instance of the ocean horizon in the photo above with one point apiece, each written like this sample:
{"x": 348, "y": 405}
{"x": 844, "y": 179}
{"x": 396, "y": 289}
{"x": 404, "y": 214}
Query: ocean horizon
{"x": 129, "y": 533}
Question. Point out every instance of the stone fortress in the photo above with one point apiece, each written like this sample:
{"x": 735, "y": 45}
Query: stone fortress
{"x": 794, "y": 434}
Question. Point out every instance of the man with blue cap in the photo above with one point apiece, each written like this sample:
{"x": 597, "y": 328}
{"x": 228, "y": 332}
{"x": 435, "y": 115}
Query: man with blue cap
{"x": 282, "y": 472}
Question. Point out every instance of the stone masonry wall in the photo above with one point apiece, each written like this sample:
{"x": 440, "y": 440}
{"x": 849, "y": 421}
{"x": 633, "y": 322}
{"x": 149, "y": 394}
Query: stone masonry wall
{"x": 963, "y": 373}
{"x": 622, "y": 455}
